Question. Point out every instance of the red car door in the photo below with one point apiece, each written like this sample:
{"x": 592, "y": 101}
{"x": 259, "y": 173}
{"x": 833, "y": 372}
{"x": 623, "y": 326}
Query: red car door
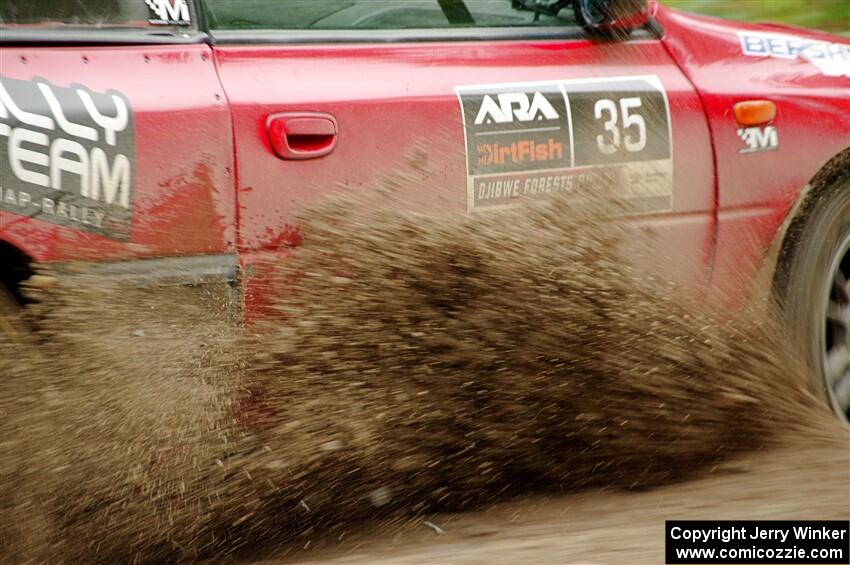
{"x": 115, "y": 137}
{"x": 477, "y": 104}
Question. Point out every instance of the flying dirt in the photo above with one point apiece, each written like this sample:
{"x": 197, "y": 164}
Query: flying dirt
{"x": 416, "y": 364}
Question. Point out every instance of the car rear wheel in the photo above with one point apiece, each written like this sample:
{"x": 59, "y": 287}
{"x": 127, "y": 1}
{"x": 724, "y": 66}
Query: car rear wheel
{"x": 814, "y": 284}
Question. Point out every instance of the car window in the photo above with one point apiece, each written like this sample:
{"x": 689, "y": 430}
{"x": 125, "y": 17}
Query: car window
{"x": 109, "y": 14}
{"x": 385, "y": 14}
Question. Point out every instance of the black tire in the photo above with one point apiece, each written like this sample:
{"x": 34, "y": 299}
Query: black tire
{"x": 813, "y": 283}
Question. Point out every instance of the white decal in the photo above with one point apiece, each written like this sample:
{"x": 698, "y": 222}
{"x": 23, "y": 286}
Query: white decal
{"x": 636, "y": 120}
{"x": 77, "y": 165}
{"x": 169, "y": 12}
{"x": 606, "y": 105}
{"x": 110, "y": 125}
{"x": 515, "y": 104}
{"x": 18, "y": 155}
{"x": 27, "y": 118}
{"x": 67, "y": 126}
{"x": 113, "y": 180}
{"x": 759, "y": 139}
{"x": 832, "y": 59}
{"x": 610, "y": 125}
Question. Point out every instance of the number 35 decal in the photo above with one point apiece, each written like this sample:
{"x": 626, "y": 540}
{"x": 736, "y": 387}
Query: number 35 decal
{"x": 611, "y": 145}
{"x": 619, "y": 120}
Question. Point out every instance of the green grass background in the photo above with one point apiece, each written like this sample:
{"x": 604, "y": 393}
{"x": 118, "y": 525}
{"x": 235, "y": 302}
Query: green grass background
{"x": 829, "y": 15}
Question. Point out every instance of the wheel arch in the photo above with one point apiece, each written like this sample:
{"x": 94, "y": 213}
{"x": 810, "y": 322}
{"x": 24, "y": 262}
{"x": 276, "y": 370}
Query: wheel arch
{"x": 15, "y": 268}
{"x": 822, "y": 183}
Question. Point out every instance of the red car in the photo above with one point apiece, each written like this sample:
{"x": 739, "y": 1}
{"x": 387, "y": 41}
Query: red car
{"x": 179, "y": 138}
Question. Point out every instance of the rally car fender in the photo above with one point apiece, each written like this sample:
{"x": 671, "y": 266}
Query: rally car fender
{"x": 761, "y": 170}
{"x": 825, "y": 180}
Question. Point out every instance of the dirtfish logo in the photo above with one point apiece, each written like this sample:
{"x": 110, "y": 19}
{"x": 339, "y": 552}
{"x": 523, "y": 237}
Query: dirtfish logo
{"x": 515, "y": 105}
{"x": 169, "y": 12}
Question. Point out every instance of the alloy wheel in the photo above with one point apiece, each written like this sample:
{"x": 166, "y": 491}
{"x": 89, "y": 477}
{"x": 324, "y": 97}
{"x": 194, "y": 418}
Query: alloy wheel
{"x": 835, "y": 337}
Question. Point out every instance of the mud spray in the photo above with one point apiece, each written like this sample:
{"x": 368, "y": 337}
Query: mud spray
{"x": 420, "y": 363}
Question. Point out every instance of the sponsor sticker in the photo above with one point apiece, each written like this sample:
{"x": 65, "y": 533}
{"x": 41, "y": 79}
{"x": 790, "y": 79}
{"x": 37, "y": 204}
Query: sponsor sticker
{"x": 169, "y": 12}
{"x": 832, "y": 59}
{"x": 67, "y": 156}
{"x": 759, "y": 139}
{"x": 571, "y": 136}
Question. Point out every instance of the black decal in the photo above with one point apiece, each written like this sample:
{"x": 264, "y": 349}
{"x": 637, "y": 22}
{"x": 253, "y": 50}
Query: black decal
{"x": 169, "y": 12}
{"x": 575, "y": 136}
{"x": 67, "y": 156}
{"x": 628, "y": 119}
{"x": 516, "y": 129}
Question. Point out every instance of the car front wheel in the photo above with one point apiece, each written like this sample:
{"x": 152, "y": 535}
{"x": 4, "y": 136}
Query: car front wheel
{"x": 814, "y": 287}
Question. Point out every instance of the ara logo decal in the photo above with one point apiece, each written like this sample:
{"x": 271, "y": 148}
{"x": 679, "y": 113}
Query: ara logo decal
{"x": 586, "y": 136}
{"x": 515, "y": 128}
{"x": 515, "y": 105}
{"x": 169, "y": 12}
{"x": 759, "y": 139}
{"x": 68, "y": 155}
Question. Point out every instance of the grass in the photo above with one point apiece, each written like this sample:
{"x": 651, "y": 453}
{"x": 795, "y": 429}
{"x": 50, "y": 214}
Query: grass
{"x": 829, "y": 15}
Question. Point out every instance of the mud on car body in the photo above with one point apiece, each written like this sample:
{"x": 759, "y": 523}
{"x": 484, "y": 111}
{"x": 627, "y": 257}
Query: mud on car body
{"x": 177, "y": 140}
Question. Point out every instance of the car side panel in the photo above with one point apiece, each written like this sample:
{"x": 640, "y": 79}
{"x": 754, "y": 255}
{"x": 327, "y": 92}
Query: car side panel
{"x": 178, "y": 143}
{"x": 757, "y": 189}
{"x": 400, "y": 123}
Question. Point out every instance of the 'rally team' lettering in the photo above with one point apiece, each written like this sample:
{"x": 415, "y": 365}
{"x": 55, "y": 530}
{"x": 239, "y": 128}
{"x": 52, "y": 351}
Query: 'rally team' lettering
{"x": 67, "y": 155}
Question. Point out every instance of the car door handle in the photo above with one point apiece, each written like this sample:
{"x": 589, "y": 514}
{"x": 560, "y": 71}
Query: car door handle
{"x": 302, "y": 135}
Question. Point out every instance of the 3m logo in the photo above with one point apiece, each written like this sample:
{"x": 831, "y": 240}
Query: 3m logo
{"x": 169, "y": 12}
{"x": 758, "y": 139}
{"x": 515, "y": 105}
